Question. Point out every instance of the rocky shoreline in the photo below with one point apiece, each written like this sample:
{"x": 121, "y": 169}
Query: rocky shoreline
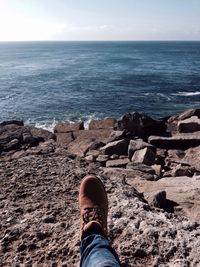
{"x": 151, "y": 169}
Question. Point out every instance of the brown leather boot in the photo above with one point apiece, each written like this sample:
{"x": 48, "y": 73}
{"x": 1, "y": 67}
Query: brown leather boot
{"x": 93, "y": 203}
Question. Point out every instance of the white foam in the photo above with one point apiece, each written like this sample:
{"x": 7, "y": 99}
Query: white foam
{"x": 88, "y": 119}
{"x": 186, "y": 93}
{"x": 49, "y": 126}
{"x": 159, "y": 95}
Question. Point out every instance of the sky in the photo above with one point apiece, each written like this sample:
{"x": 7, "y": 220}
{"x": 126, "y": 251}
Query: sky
{"x": 41, "y": 20}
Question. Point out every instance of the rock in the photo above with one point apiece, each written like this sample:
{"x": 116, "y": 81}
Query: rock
{"x": 18, "y": 154}
{"x": 102, "y": 124}
{"x": 16, "y": 122}
{"x": 180, "y": 170}
{"x": 116, "y": 135}
{"x": 94, "y": 153}
{"x": 182, "y": 190}
{"x": 185, "y": 115}
{"x": 119, "y": 147}
{"x": 14, "y": 137}
{"x": 40, "y": 133}
{"x": 29, "y": 140}
{"x": 160, "y": 156}
{"x": 178, "y": 141}
{"x": 86, "y": 140}
{"x": 90, "y": 158}
{"x": 175, "y": 154}
{"x": 115, "y": 156}
{"x": 96, "y": 136}
{"x": 10, "y": 132}
{"x": 79, "y": 147}
{"x": 65, "y": 127}
{"x": 159, "y": 200}
{"x": 117, "y": 163}
{"x": 189, "y": 125}
{"x": 129, "y": 176}
{"x": 63, "y": 139}
{"x": 141, "y": 125}
{"x": 158, "y": 169}
{"x": 12, "y": 145}
{"x": 140, "y": 167}
{"x": 145, "y": 156}
{"x": 96, "y": 145}
{"x": 192, "y": 157}
{"x": 102, "y": 158}
{"x": 138, "y": 144}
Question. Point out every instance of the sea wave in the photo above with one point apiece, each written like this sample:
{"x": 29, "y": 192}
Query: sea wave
{"x": 160, "y": 95}
{"x": 46, "y": 125}
{"x": 50, "y": 125}
{"x": 186, "y": 93}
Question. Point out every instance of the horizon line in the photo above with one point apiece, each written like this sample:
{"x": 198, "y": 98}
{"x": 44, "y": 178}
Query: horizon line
{"x": 142, "y": 40}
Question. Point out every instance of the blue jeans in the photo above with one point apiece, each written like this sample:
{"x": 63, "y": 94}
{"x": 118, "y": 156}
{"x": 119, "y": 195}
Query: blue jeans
{"x": 97, "y": 252}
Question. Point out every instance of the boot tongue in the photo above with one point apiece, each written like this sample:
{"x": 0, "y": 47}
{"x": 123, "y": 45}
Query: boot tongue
{"x": 93, "y": 227}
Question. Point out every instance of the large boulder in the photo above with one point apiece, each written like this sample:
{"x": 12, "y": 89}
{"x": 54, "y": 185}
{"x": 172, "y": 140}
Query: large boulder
{"x": 145, "y": 156}
{"x": 185, "y": 115}
{"x": 41, "y": 133}
{"x": 138, "y": 144}
{"x": 178, "y": 141}
{"x": 119, "y": 147}
{"x": 16, "y": 136}
{"x": 189, "y": 125}
{"x": 182, "y": 190}
{"x": 84, "y": 140}
{"x": 15, "y": 122}
{"x": 102, "y": 124}
{"x": 141, "y": 125}
{"x": 65, "y": 127}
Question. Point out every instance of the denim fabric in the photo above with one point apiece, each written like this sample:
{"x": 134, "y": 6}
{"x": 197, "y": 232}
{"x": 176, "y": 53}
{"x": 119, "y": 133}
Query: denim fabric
{"x": 97, "y": 252}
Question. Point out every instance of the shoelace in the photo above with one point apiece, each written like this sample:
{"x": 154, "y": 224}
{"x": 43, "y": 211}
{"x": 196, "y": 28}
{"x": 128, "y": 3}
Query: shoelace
{"x": 92, "y": 214}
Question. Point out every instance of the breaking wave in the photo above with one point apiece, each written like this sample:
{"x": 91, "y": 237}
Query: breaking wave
{"x": 186, "y": 93}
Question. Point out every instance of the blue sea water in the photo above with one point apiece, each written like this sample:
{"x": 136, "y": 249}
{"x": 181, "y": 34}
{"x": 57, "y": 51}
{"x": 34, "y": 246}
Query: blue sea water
{"x": 45, "y": 82}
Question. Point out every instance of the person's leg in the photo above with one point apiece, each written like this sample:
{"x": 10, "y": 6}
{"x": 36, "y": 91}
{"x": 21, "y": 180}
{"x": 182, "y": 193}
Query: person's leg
{"x": 96, "y": 250}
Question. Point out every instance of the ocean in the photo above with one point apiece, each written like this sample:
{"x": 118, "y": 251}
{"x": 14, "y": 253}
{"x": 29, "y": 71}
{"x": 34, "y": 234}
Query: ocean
{"x": 46, "y": 82}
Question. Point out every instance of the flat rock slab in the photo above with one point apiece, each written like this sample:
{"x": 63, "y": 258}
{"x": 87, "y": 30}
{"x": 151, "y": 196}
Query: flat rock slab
{"x": 183, "y": 190}
{"x": 126, "y": 175}
{"x": 182, "y": 141}
{"x": 65, "y": 127}
{"x": 117, "y": 163}
{"x": 102, "y": 124}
